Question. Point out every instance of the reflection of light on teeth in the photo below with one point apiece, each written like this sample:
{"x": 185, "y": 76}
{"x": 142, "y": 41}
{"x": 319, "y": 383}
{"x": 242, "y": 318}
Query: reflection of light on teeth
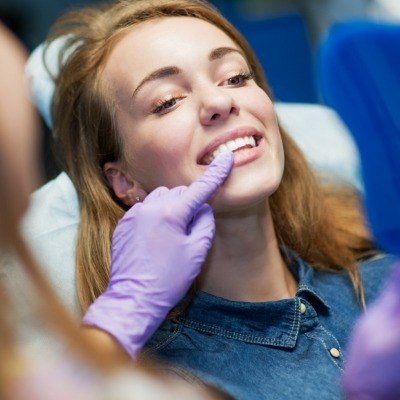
{"x": 231, "y": 145}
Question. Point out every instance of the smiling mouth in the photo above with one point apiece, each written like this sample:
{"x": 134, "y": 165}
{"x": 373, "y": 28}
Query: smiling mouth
{"x": 234, "y": 145}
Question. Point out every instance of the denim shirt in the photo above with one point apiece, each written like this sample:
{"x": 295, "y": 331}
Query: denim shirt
{"x": 287, "y": 349}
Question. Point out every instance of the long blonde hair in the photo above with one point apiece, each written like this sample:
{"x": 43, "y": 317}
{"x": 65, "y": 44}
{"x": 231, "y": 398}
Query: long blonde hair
{"x": 324, "y": 226}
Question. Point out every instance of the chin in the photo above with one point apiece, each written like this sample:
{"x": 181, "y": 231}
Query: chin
{"x": 227, "y": 201}
{"x": 244, "y": 191}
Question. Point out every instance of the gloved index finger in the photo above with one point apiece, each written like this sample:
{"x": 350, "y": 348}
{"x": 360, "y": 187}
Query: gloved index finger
{"x": 204, "y": 187}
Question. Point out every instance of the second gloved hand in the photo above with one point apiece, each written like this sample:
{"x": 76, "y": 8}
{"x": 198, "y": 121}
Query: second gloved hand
{"x": 373, "y": 365}
{"x": 158, "y": 249}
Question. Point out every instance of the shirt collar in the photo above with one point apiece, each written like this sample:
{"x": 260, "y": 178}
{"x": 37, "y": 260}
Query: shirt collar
{"x": 304, "y": 274}
{"x": 275, "y": 323}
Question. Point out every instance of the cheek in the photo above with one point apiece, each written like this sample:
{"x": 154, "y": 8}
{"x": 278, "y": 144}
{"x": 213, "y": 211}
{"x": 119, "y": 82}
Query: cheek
{"x": 158, "y": 153}
{"x": 262, "y": 107}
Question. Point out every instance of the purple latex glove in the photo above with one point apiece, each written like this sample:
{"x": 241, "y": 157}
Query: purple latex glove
{"x": 158, "y": 249}
{"x": 373, "y": 368}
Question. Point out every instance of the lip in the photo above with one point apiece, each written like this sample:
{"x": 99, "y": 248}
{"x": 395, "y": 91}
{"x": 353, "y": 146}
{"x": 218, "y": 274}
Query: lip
{"x": 230, "y": 135}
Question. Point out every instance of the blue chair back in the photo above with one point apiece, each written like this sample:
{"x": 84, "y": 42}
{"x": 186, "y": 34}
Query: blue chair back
{"x": 358, "y": 71}
{"x": 281, "y": 42}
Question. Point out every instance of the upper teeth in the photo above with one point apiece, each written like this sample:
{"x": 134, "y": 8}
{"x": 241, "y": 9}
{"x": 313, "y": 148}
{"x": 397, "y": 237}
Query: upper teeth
{"x": 231, "y": 145}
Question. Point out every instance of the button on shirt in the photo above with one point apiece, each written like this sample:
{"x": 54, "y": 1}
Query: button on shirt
{"x": 287, "y": 349}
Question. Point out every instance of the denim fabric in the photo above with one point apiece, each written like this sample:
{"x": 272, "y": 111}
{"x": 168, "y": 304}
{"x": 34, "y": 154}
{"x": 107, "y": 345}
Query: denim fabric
{"x": 271, "y": 350}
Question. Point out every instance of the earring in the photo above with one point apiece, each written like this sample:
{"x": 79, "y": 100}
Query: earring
{"x": 137, "y": 198}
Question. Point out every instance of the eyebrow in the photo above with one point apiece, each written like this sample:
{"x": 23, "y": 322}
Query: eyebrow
{"x": 220, "y": 52}
{"x": 157, "y": 74}
{"x": 215, "y": 54}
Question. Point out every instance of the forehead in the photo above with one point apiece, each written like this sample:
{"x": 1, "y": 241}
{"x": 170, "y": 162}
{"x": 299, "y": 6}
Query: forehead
{"x": 170, "y": 40}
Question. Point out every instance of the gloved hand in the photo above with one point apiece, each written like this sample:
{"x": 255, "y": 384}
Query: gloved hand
{"x": 373, "y": 366}
{"x": 158, "y": 249}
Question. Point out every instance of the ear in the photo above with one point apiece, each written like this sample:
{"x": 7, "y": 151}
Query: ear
{"x": 125, "y": 188}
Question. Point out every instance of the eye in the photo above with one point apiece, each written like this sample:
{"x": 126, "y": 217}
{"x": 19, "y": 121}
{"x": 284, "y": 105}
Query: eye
{"x": 163, "y": 105}
{"x": 239, "y": 79}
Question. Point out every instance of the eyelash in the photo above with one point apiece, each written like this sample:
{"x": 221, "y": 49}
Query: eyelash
{"x": 245, "y": 76}
{"x": 161, "y": 105}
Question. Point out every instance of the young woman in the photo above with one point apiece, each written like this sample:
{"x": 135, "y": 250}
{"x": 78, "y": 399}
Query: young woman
{"x": 151, "y": 95}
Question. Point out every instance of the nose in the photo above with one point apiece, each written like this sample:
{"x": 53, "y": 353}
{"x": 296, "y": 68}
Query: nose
{"x": 216, "y": 106}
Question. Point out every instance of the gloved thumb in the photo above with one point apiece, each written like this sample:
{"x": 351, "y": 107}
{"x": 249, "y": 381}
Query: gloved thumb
{"x": 205, "y": 187}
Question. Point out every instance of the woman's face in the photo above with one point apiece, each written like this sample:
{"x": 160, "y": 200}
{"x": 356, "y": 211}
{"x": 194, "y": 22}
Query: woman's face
{"x": 183, "y": 91}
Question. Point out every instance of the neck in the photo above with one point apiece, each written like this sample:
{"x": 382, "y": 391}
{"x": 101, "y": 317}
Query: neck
{"x": 245, "y": 263}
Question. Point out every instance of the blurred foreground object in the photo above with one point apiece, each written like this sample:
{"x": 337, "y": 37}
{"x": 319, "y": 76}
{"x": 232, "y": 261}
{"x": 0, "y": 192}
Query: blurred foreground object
{"x": 17, "y": 131}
